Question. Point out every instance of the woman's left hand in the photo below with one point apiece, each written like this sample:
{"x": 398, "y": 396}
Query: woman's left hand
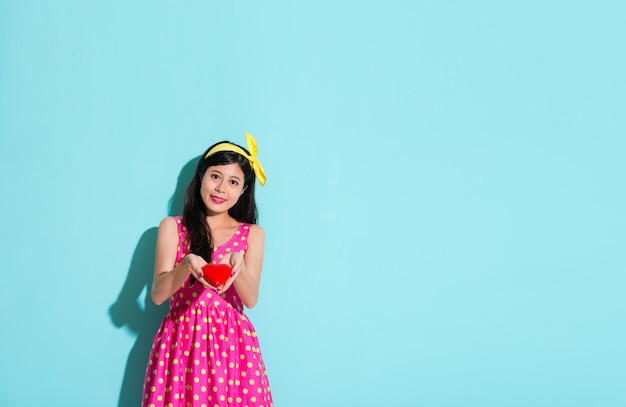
{"x": 236, "y": 262}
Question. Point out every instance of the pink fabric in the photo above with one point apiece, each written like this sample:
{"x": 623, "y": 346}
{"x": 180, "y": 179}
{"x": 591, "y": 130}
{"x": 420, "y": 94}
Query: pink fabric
{"x": 206, "y": 352}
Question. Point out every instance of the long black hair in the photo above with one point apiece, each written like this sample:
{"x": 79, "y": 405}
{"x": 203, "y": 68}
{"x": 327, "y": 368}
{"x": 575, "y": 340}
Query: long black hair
{"x": 194, "y": 211}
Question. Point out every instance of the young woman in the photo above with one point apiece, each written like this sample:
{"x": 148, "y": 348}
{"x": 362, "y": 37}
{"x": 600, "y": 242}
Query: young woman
{"x": 206, "y": 352}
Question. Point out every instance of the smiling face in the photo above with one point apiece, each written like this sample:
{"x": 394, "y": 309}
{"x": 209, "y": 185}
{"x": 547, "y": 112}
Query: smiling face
{"x": 221, "y": 187}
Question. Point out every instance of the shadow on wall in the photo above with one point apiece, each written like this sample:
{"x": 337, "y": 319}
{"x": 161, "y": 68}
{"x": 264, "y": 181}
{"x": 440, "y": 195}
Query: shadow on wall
{"x": 143, "y": 321}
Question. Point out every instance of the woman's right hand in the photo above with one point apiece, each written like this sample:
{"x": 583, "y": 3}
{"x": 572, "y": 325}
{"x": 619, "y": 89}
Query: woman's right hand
{"x": 195, "y": 263}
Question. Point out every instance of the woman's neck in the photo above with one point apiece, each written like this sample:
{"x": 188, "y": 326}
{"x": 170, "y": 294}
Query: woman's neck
{"x": 221, "y": 220}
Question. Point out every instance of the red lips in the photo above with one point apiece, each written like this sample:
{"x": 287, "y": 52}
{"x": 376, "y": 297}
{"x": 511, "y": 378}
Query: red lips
{"x": 216, "y": 274}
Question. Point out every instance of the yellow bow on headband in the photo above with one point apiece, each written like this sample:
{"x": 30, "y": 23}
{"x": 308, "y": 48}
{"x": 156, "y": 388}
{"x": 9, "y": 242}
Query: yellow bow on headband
{"x": 254, "y": 162}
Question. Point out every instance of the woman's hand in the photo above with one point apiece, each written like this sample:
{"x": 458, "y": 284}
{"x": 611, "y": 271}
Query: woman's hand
{"x": 236, "y": 262}
{"x": 195, "y": 263}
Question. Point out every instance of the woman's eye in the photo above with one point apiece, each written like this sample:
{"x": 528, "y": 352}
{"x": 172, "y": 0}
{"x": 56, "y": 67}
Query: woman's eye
{"x": 215, "y": 176}
{"x": 234, "y": 183}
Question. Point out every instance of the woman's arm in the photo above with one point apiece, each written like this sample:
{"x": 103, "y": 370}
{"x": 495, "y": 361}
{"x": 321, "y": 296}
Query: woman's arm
{"x": 167, "y": 280}
{"x": 248, "y": 269}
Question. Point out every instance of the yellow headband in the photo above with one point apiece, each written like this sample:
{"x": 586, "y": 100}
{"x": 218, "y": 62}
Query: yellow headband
{"x": 254, "y": 162}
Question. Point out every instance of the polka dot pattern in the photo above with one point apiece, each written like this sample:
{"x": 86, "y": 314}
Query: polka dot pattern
{"x": 206, "y": 352}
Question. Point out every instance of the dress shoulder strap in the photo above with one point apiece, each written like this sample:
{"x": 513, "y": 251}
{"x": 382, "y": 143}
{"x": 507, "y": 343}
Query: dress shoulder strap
{"x": 183, "y": 242}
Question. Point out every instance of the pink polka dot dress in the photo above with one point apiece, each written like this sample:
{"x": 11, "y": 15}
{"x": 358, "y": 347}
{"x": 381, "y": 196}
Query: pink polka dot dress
{"x": 206, "y": 352}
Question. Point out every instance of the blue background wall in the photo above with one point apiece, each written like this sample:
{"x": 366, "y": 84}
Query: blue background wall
{"x": 444, "y": 208}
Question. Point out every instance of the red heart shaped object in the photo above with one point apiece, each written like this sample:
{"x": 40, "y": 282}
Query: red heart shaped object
{"x": 216, "y": 274}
